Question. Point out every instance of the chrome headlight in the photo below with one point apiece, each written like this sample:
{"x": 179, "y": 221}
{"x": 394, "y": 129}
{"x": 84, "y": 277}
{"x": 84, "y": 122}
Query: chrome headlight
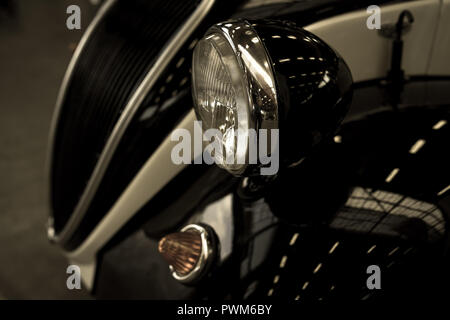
{"x": 232, "y": 84}
{"x": 267, "y": 75}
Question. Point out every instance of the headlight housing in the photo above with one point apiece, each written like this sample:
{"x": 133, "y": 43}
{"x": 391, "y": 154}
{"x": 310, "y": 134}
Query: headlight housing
{"x": 267, "y": 75}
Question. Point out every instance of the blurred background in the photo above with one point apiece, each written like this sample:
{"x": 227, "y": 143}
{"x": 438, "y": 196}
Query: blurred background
{"x": 35, "y": 49}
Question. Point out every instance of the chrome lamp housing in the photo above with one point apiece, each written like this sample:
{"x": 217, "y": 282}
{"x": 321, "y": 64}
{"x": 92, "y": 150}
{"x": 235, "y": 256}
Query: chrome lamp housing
{"x": 268, "y": 75}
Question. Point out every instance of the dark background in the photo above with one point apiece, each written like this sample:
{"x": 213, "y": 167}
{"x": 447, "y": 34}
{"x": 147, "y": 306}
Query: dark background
{"x": 35, "y": 49}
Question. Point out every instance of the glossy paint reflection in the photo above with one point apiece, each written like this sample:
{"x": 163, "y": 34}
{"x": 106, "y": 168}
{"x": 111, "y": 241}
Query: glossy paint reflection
{"x": 314, "y": 86}
{"x": 311, "y": 233}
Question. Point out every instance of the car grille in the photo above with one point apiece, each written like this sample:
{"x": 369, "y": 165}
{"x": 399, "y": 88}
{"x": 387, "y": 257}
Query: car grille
{"x": 112, "y": 64}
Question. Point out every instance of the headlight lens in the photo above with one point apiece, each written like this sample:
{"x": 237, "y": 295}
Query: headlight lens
{"x": 220, "y": 95}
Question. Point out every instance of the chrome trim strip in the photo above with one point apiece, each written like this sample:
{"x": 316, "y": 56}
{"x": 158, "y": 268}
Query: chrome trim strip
{"x": 63, "y": 89}
{"x": 161, "y": 63}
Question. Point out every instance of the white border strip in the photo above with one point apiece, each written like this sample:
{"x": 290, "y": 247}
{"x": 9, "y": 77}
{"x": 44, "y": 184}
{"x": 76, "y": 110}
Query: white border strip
{"x": 153, "y": 176}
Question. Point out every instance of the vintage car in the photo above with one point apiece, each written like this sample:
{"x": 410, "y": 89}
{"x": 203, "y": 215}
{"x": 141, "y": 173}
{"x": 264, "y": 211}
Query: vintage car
{"x": 357, "y": 204}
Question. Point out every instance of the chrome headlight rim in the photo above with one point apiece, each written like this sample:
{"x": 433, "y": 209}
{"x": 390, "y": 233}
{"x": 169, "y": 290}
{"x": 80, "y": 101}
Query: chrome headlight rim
{"x": 257, "y": 79}
{"x": 257, "y": 69}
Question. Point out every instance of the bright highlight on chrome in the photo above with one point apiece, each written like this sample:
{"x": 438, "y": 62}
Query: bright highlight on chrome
{"x": 240, "y": 146}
